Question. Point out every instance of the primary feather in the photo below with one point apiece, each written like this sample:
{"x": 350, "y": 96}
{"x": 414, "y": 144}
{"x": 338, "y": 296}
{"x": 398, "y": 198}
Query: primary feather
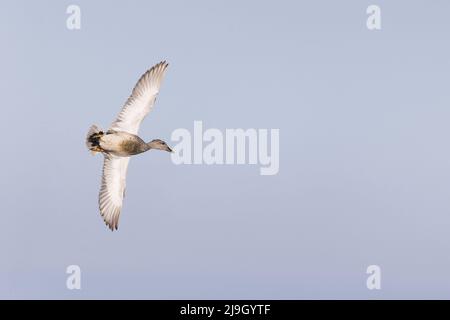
{"x": 112, "y": 189}
{"x": 141, "y": 100}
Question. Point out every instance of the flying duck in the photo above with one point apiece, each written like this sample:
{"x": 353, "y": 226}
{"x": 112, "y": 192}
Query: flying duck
{"x": 121, "y": 142}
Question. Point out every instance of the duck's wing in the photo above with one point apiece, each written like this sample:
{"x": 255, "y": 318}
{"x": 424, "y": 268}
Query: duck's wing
{"x": 112, "y": 189}
{"x": 141, "y": 100}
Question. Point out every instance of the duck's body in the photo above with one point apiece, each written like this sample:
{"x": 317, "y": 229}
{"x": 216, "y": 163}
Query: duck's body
{"x": 121, "y": 142}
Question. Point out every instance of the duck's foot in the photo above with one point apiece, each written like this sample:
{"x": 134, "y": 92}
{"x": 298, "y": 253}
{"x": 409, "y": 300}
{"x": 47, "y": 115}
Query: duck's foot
{"x": 95, "y": 149}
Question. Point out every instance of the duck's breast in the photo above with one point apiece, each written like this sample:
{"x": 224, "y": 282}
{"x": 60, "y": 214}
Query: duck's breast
{"x": 130, "y": 147}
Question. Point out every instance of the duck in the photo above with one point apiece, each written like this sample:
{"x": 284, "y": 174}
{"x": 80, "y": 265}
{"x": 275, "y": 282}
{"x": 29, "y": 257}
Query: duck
{"x": 121, "y": 141}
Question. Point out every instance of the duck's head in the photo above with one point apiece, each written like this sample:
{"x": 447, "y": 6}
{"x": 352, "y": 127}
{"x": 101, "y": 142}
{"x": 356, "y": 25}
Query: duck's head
{"x": 159, "y": 144}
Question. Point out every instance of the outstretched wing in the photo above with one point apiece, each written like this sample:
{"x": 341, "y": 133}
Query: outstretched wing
{"x": 112, "y": 189}
{"x": 141, "y": 100}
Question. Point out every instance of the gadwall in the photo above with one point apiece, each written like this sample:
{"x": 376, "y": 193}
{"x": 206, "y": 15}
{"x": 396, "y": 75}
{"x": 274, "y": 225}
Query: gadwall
{"x": 121, "y": 142}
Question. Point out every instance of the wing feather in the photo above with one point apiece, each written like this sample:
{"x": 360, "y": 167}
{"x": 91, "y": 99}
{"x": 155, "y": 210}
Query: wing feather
{"x": 141, "y": 100}
{"x": 112, "y": 189}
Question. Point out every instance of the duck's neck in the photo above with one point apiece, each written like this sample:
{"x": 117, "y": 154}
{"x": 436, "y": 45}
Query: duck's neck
{"x": 150, "y": 145}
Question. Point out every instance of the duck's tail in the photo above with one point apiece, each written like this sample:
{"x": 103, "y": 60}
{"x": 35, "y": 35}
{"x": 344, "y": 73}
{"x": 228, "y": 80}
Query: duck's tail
{"x": 92, "y": 139}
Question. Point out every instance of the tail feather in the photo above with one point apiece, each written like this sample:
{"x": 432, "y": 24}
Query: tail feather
{"x": 92, "y": 139}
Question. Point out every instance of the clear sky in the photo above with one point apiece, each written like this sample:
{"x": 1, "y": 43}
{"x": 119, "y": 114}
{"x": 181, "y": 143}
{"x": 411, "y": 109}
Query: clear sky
{"x": 364, "y": 173}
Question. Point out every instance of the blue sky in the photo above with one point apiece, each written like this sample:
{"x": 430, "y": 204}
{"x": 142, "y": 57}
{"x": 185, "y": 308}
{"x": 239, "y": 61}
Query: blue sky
{"x": 364, "y": 165}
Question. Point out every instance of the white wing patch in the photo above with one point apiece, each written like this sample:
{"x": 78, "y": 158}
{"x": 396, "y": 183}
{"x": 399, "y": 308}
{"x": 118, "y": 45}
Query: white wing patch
{"x": 141, "y": 100}
{"x": 112, "y": 189}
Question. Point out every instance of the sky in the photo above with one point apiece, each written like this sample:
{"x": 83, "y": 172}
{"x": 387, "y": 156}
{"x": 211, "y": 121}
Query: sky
{"x": 364, "y": 163}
